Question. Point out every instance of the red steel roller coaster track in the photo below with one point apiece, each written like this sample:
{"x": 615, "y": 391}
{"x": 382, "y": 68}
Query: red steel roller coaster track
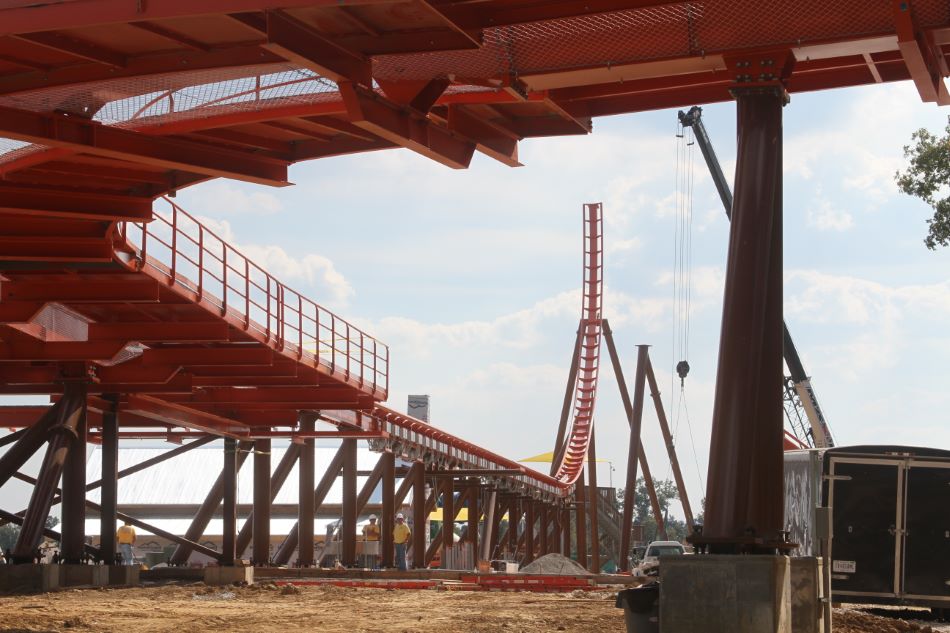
{"x": 588, "y": 351}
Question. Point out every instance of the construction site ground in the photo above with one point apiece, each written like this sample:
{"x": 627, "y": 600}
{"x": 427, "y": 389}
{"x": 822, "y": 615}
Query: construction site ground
{"x": 270, "y": 607}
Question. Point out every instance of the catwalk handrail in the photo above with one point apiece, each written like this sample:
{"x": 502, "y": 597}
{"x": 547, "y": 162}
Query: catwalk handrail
{"x": 190, "y": 256}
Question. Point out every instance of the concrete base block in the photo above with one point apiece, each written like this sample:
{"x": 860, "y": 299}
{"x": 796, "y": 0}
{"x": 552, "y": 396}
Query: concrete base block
{"x": 228, "y": 575}
{"x": 83, "y": 576}
{"x": 734, "y": 594}
{"x": 806, "y": 595}
{"x": 123, "y": 575}
{"x": 29, "y": 578}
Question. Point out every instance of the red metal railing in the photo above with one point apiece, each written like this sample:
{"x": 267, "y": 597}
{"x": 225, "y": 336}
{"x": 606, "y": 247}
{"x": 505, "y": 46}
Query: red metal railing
{"x": 189, "y": 256}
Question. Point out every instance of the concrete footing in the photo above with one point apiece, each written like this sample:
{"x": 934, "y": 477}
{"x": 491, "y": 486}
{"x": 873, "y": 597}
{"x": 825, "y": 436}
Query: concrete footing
{"x": 44, "y": 578}
{"x": 228, "y": 575}
{"x": 807, "y": 604}
{"x": 739, "y": 594}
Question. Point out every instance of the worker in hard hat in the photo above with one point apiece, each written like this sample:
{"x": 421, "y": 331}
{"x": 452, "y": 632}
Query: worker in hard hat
{"x": 371, "y": 543}
{"x": 401, "y": 535}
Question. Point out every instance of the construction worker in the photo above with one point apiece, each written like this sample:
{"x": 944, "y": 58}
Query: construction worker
{"x": 371, "y": 542}
{"x": 125, "y": 537}
{"x": 401, "y": 535}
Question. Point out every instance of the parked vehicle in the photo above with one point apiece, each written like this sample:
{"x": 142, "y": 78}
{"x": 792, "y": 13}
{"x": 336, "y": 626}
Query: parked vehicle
{"x": 656, "y": 549}
{"x": 889, "y": 512}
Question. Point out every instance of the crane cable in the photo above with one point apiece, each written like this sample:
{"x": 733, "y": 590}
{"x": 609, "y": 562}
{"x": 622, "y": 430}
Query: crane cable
{"x": 682, "y": 278}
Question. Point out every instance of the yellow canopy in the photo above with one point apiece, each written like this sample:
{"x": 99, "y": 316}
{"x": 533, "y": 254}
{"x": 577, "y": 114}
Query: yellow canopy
{"x": 436, "y": 515}
{"x": 547, "y": 458}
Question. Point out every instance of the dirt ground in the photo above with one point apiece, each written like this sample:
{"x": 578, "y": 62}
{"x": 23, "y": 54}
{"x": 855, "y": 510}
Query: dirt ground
{"x": 267, "y": 608}
{"x": 326, "y": 609}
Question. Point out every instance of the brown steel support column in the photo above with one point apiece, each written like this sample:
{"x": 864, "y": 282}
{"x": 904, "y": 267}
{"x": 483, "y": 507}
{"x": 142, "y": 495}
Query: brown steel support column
{"x": 514, "y": 520}
{"x": 492, "y": 519}
{"x": 629, "y": 409}
{"x": 556, "y": 530}
{"x": 593, "y": 499}
{"x": 580, "y": 519}
{"x": 305, "y": 500}
{"x": 448, "y": 512}
{"x": 229, "y": 501}
{"x": 566, "y": 406}
{"x": 544, "y": 526}
{"x": 528, "y": 531}
{"x": 630, "y": 490}
{"x": 62, "y": 437}
{"x": 208, "y": 507}
{"x": 348, "y": 538}
{"x": 319, "y": 494}
{"x": 745, "y": 483}
{"x": 277, "y": 480}
{"x": 474, "y": 492}
{"x": 31, "y": 440}
{"x": 566, "y": 532}
{"x": 387, "y": 521}
{"x": 110, "y": 481}
{"x": 74, "y": 495}
{"x": 262, "y": 499}
{"x": 418, "y": 517}
{"x": 670, "y": 448}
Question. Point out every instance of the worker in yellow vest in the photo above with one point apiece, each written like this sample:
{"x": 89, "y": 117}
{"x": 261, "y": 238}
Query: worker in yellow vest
{"x": 401, "y": 535}
{"x": 371, "y": 543}
{"x": 125, "y": 537}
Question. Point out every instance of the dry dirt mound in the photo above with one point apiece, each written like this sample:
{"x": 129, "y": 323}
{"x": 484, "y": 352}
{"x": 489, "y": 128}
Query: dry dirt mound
{"x": 554, "y": 565}
{"x": 845, "y": 621}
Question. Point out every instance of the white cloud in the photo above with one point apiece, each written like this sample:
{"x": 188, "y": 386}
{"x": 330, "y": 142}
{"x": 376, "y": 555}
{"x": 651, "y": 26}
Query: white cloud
{"x": 824, "y": 217}
{"x": 330, "y": 287}
{"x": 223, "y": 197}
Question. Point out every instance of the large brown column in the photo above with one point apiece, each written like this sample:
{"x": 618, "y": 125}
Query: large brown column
{"x": 630, "y": 490}
{"x": 348, "y": 539}
{"x": 229, "y": 501}
{"x": 566, "y": 532}
{"x": 594, "y": 500}
{"x": 387, "y": 520}
{"x": 110, "y": 483}
{"x": 74, "y": 495}
{"x": 305, "y": 497}
{"x": 528, "y": 531}
{"x": 580, "y": 518}
{"x": 474, "y": 492}
{"x": 262, "y": 500}
{"x": 448, "y": 513}
{"x": 744, "y": 490}
{"x": 543, "y": 528}
{"x": 418, "y": 517}
{"x": 514, "y": 519}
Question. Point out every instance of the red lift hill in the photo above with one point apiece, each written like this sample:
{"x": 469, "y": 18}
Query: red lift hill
{"x": 138, "y": 321}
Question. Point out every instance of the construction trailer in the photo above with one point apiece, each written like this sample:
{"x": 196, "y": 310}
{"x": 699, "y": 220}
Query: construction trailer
{"x": 888, "y": 510}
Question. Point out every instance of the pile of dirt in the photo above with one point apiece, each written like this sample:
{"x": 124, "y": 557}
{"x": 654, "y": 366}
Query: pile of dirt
{"x": 554, "y": 565}
{"x": 847, "y": 621}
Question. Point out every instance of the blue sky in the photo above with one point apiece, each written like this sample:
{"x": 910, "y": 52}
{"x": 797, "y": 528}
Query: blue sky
{"x": 472, "y": 277}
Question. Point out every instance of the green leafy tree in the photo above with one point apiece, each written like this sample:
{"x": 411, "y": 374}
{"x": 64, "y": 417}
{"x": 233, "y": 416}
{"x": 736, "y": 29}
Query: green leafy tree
{"x": 927, "y": 177}
{"x": 666, "y": 493}
{"x": 9, "y": 533}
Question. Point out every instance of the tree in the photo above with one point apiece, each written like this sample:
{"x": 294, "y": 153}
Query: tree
{"x": 666, "y": 494}
{"x": 927, "y": 178}
{"x": 9, "y": 533}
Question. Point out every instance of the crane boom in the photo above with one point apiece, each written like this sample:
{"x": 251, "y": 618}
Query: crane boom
{"x": 799, "y": 382}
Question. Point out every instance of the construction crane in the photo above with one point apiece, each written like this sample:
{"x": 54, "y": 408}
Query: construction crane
{"x": 801, "y": 404}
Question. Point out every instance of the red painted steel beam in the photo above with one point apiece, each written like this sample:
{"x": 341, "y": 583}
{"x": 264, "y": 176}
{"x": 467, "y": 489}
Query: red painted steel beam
{"x": 301, "y": 45}
{"x": 924, "y": 60}
{"x": 209, "y": 356}
{"x": 77, "y": 134}
{"x": 91, "y": 205}
{"x": 79, "y": 289}
{"x": 171, "y": 413}
{"x": 275, "y": 395}
{"x": 375, "y": 114}
{"x": 55, "y": 249}
{"x": 495, "y": 141}
{"x": 75, "y": 47}
{"x": 161, "y": 332}
{"x": 19, "y": 311}
{"x": 28, "y": 349}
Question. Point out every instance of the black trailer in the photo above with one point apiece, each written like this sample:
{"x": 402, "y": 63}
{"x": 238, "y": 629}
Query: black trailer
{"x": 889, "y": 515}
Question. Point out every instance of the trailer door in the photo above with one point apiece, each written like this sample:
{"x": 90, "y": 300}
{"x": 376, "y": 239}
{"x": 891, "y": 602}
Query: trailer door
{"x": 927, "y": 538}
{"x": 865, "y": 497}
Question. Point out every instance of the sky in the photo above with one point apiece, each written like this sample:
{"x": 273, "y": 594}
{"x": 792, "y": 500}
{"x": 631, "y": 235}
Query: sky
{"x": 473, "y": 277}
